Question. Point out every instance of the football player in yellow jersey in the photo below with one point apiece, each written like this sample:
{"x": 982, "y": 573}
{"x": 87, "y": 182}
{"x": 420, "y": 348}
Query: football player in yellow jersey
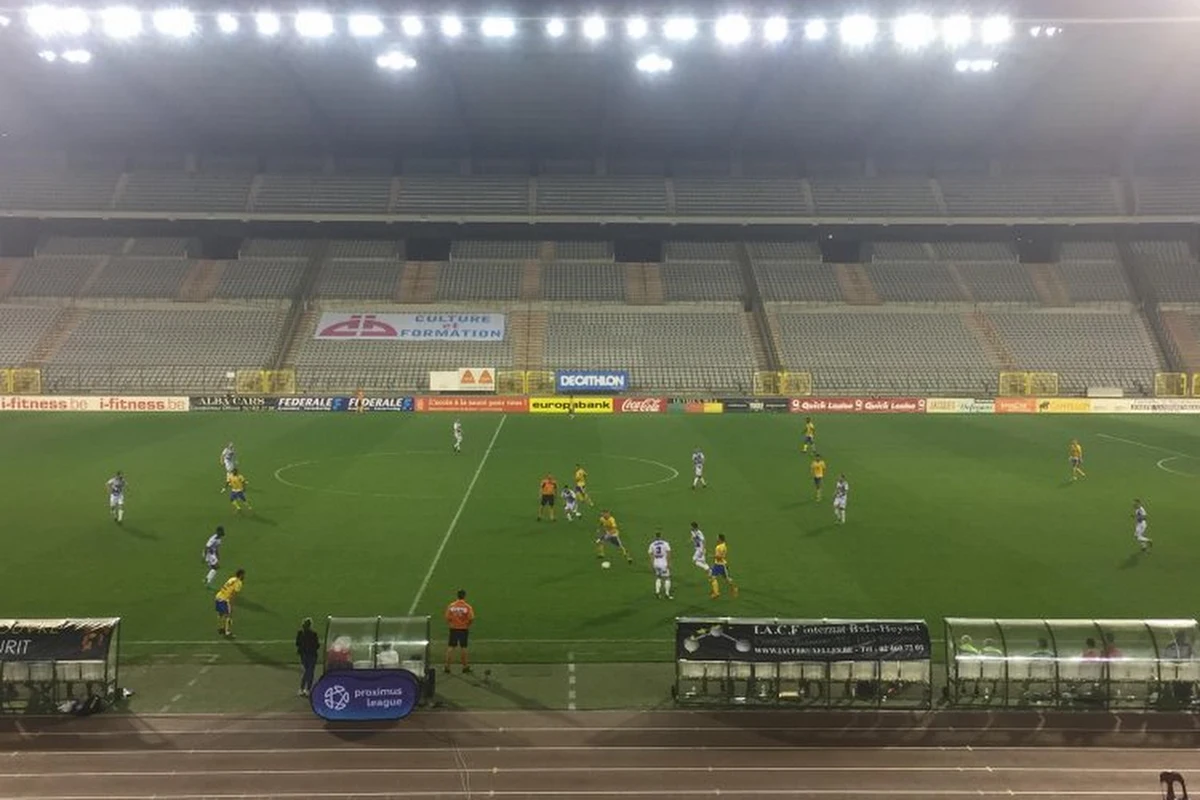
{"x": 810, "y": 434}
{"x": 817, "y": 470}
{"x": 720, "y": 569}
{"x": 224, "y": 602}
{"x": 235, "y": 482}
{"x": 609, "y": 533}
{"x": 1075, "y": 455}
{"x": 581, "y": 491}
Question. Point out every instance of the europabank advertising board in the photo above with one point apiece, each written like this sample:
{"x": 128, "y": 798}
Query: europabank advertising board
{"x": 857, "y": 405}
{"x": 474, "y": 404}
{"x": 431, "y": 327}
{"x": 56, "y": 640}
{"x": 570, "y": 405}
{"x": 464, "y": 379}
{"x": 771, "y": 640}
{"x": 117, "y": 403}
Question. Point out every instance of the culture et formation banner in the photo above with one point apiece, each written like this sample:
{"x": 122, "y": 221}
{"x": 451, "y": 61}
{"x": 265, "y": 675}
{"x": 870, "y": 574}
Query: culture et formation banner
{"x": 801, "y": 640}
{"x": 429, "y": 327}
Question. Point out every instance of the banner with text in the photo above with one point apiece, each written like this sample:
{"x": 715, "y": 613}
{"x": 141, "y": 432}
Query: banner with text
{"x": 773, "y": 640}
{"x": 344, "y": 403}
{"x": 233, "y": 402}
{"x": 959, "y": 405}
{"x": 430, "y": 327}
{"x": 1064, "y": 405}
{"x": 1016, "y": 405}
{"x": 640, "y": 405}
{"x": 464, "y": 379}
{"x": 363, "y": 695}
{"x": 755, "y": 405}
{"x": 574, "y": 381}
{"x": 858, "y": 405}
{"x": 575, "y": 405}
{"x": 468, "y": 405}
{"x": 119, "y": 403}
{"x": 56, "y": 639}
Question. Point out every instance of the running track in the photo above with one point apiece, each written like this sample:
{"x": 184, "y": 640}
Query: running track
{"x": 598, "y": 755}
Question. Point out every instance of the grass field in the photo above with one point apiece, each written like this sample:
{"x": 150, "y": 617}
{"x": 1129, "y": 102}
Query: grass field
{"x": 948, "y": 516}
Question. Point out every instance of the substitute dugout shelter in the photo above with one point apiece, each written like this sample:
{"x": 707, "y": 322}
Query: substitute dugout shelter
{"x": 1072, "y": 663}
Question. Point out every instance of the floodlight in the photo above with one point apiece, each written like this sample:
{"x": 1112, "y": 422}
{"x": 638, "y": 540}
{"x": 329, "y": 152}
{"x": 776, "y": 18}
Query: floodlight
{"x": 49, "y": 21}
{"x": 1035, "y": 31}
{"x": 48, "y": 56}
{"x": 268, "y": 24}
{"x": 452, "y": 27}
{"x": 594, "y": 28}
{"x": 175, "y": 22}
{"x": 654, "y": 64}
{"x": 680, "y": 29}
{"x": 555, "y": 28}
{"x": 1053, "y": 30}
{"x": 732, "y": 29}
{"x": 914, "y": 31}
{"x": 121, "y": 22}
{"x": 395, "y": 61}
{"x": 995, "y": 30}
{"x": 77, "y": 57}
{"x": 228, "y": 23}
{"x": 815, "y": 30}
{"x": 412, "y": 26}
{"x": 974, "y": 65}
{"x": 314, "y": 24}
{"x": 5, "y": 21}
{"x": 775, "y": 29}
{"x": 498, "y": 27}
{"x": 636, "y": 27}
{"x": 956, "y": 30}
{"x": 364, "y": 25}
{"x": 858, "y": 30}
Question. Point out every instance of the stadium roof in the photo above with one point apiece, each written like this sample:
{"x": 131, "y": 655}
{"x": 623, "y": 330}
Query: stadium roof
{"x": 1100, "y": 86}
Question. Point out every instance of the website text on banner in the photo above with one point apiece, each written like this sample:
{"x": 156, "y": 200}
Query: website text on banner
{"x": 121, "y": 403}
{"x": 564, "y": 405}
{"x": 468, "y": 405}
{"x": 431, "y": 327}
{"x": 463, "y": 379}
{"x": 858, "y": 405}
{"x": 576, "y": 381}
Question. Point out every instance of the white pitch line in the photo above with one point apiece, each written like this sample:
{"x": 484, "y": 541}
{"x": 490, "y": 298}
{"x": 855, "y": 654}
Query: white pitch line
{"x": 591, "y": 748}
{"x": 674, "y": 473}
{"x": 467, "y": 793}
{"x": 1136, "y": 443}
{"x": 149, "y": 642}
{"x": 437, "y": 557}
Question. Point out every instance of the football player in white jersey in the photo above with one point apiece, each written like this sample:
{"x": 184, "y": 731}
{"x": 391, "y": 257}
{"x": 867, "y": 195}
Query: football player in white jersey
{"x": 116, "y": 497}
{"x": 660, "y": 562}
{"x": 1139, "y": 526}
{"x": 229, "y": 458}
{"x": 698, "y": 469}
{"x": 457, "y": 436}
{"x": 212, "y": 555}
{"x": 699, "y": 551}
{"x": 570, "y": 504}
{"x": 841, "y": 493}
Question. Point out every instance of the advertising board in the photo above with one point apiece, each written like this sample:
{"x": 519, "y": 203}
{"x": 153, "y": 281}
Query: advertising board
{"x": 578, "y": 381}
{"x": 755, "y": 405}
{"x": 959, "y": 405}
{"x": 56, "y": 640}
{"x": 430, "y": 327}
{"x": 564, "y": 405}
{"x": 120, "y": 403}
{"x": 474, "y": 404}
{"x": 363, "y": 695}
{"x": 232, "y": 402}
{"x": 1146, "y": 405}
{"x": 344, "y": 403}
{"x": 1064, "y": 405}
{"x": 858, "y": 405}
{"x": 640, "y": 405}
{"x": 772, "y": 640}
{"x": 463, "y": 379}
{"x": 1016, "y": 405}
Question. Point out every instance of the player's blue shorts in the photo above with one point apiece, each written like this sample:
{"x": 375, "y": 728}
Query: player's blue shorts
{"x": 808, "y": 440}
{"x": 817, "y": 482}
{"x": 223, "y": 608}
{"x": 580, "y": 489}
{"x": 610, "y": 538}
{"x": 718, "y": 571}
{"x": 1075, "y": 461}
{"x": 237, "y": 496}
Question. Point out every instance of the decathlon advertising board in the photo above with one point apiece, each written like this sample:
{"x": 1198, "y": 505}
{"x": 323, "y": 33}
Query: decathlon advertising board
{"x": 432, "y": 327}
{"x": 576, "y": 381}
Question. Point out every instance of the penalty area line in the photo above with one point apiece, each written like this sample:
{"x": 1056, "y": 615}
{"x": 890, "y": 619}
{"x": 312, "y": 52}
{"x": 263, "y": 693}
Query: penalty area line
{"x": 437, "y": 557}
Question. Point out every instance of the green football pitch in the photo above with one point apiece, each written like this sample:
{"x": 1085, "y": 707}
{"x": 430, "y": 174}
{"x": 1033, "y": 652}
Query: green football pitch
{"x": 375, "y": 515}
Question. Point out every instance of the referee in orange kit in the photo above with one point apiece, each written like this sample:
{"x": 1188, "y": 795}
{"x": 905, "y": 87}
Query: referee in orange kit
{"x": 459, "y": 616}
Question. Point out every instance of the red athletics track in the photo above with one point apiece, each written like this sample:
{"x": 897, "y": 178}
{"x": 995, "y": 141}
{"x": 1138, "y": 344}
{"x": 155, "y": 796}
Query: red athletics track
{"x": 657, "y": 754}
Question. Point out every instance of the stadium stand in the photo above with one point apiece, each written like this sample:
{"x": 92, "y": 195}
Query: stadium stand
{"x": 865, "y": 197}
{"x": 21, "y": 328}
{"x": 791, "y": 281}
{"x": 912, "y": 281}
{"x": 1092, "y": 273}
{"x": 454, "y": 194}
{"x": 1171, "y": 269}
{"x": 260, "y": 278}
{"x": 597, "y": 282}
{"x": 1174, "y": 194}
{"x": 151, "y": 190}
{"x": 701, "y": 281}
{"x": 997, "y": 282}
{"x": 76, "y": 190}
{"x": 54, "y": 276}
{"x": 359, "y": 278}
{"x": 760, "y": 198}
{"x": 1040, "y": 195}
{"x": 138, "y": 277}
{"x": 627, "y": 197}
{"x": 480, "y": 280}
{"x": 331, "y": 194}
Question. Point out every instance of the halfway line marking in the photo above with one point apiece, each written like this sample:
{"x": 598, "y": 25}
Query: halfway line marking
{"x": 437, "y": 557}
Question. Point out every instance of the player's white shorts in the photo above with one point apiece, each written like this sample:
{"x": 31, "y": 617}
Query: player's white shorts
{"x": 698, "y": 559}
{"x": 661, "y": 569}
{"x": 212, "y": 560}
{"x": 571, "y": 507}
{"x": 116, "y": 500}
{"x": 1139, "y": 531}
{"x": 839, "y": 502}
{"x": 699, "y": 471}
{"x": 230, "y": 465}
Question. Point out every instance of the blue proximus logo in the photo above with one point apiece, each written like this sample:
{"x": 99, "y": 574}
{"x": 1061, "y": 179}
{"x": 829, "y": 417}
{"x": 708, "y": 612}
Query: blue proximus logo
{"x": 366, "y": 694}
{"x": 579, "y": 382}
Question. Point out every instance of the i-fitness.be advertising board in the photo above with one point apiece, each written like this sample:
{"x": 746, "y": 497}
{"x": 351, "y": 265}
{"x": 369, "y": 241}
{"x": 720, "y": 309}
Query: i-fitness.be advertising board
{"x": 364, "y": 695}
{"x": 119, "y": 403}
{"x": 345, "y": 403}
{"x": 572, "y": 381}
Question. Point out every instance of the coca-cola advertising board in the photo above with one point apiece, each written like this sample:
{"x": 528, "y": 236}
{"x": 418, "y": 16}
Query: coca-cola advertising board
{"x": 639, "y": 405}
{"x": 857, "y": 405}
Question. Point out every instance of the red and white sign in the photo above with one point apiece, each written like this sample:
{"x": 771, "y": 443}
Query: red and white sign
{"x": 505, "y": 405}
{"x": 431, "y": 327}
{"x": 640, "y": 405}
{"x": 1016, "y": 405}
{"x": 857, "y": 405}
{"x": 120, "y": 403}
{"x": 464, "y": 379}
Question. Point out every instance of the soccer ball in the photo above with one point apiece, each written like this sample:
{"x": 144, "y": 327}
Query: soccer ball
{"x": 605, "y": 564}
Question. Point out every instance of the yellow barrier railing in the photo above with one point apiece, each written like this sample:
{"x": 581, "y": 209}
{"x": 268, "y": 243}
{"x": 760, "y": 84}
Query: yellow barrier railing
{"x": 1028, "y": 384}
{"x": 1170, "y": 384}
{"x": 265, "y": 381}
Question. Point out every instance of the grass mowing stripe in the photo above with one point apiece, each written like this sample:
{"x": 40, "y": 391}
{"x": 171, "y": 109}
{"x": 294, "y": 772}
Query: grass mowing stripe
{"x": 437, "y": 557}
